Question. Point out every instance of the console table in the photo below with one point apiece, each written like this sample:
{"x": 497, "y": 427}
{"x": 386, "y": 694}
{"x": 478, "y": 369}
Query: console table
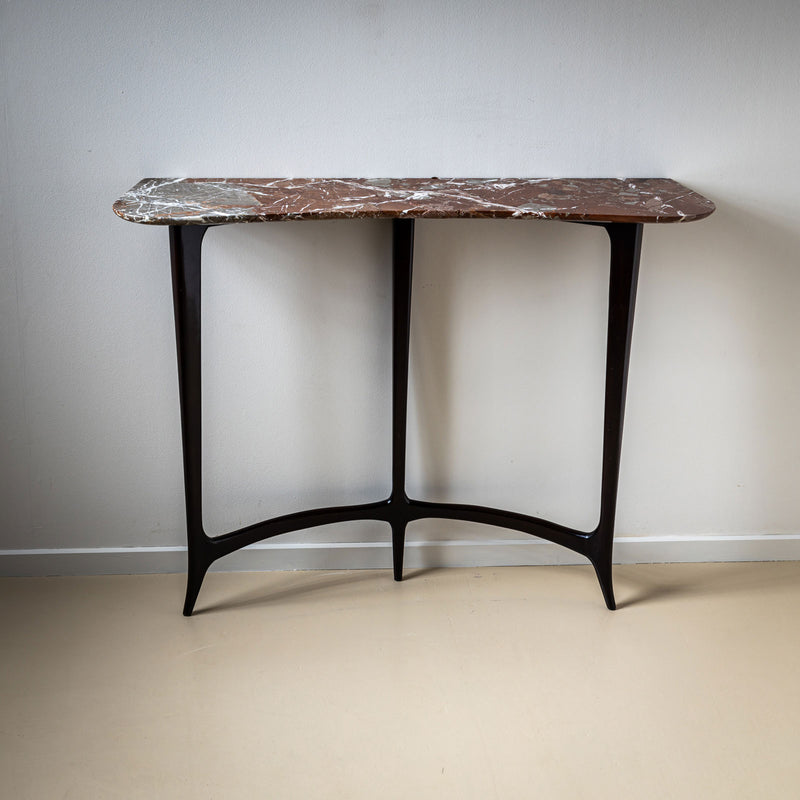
{"x": 189, "y": 206}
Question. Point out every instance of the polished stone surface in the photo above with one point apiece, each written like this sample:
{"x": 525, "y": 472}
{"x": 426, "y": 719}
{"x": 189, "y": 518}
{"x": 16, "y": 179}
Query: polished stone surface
{"x": 210, "y": 201}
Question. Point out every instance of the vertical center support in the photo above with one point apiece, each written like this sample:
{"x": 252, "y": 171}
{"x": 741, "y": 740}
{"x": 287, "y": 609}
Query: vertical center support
{"x": 402, "y": 263}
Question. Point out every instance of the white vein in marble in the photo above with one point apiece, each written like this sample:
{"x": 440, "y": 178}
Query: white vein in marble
{"x": 210, "y": 201}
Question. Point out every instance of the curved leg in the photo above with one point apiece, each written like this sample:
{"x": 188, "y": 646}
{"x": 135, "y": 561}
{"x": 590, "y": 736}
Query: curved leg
{"x": 626, "y": 245}
{"x": 199, "y": 563}
{"x": 402, "y": 263}
{"x": 185, "y": 246}
{"x": 602, "y": 568}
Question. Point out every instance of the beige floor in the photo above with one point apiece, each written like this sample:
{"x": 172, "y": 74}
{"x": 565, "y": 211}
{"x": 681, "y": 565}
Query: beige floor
{"x": 471, "y": 683}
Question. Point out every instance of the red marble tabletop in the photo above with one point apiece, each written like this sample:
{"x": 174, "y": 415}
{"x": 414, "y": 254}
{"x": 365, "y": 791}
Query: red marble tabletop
{"x": 217, "y": 201}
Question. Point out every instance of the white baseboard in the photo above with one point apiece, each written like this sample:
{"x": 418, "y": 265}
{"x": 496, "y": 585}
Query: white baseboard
{"x": 418, "y": 554}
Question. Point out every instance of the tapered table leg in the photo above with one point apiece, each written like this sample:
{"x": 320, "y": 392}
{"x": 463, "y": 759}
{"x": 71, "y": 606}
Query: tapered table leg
{"x": 185, "y": 246}
{"x": 402, "y": 263}
{"x": 626, "y": 245}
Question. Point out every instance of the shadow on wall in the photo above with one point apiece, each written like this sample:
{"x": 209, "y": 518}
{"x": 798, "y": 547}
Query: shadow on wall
{"x": 769, "y": 311}
{"x": 711, "y": 429}
{"x": 296, "y": 375}
{"x": 506, "y": 385}
{"x": 506, "y": 376}
{"x": 508, "y": 357}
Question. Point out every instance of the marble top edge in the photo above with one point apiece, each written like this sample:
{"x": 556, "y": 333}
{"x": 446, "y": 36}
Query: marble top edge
{"x": 216, "y": 201}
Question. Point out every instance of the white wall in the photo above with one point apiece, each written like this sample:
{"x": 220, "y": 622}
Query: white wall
{"x": 508, "y": 316}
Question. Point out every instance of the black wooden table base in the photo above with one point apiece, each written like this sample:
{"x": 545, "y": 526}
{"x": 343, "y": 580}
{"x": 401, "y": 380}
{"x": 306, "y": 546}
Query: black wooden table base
{"x": 399, "y": 509}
